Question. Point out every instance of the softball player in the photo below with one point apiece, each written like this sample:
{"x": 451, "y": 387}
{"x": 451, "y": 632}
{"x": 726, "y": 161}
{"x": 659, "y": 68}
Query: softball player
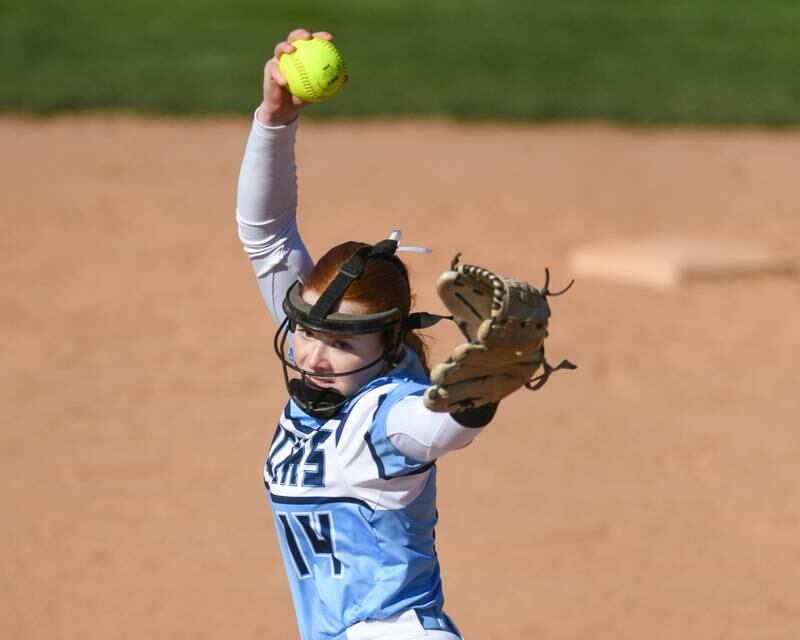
{"x": 350, "y": 473}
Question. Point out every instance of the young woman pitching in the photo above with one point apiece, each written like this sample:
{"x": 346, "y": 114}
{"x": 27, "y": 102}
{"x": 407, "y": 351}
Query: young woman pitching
{"x": 351, "y": 471}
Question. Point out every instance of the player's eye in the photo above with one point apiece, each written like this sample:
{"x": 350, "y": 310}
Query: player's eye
{"x": 343, "y": 345}
{"x": 306, "y": 333}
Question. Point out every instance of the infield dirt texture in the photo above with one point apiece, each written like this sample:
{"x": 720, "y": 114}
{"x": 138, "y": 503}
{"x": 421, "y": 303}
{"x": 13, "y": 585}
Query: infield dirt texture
{"x": 652, "y": 493}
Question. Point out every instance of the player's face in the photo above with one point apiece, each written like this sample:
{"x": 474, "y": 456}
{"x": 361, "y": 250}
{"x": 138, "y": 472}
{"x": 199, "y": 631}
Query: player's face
{"x": 322, "y": 352}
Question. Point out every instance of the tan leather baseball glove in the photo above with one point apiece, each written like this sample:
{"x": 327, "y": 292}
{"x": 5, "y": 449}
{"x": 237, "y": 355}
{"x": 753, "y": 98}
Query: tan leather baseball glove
{"x": 505, "y": 322}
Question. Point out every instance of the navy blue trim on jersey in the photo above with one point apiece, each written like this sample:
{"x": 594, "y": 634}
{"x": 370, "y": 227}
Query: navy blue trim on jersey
{"x": 296, "y": 423}
{"x": 352, "y": 402}
{"x": 344, "y": 415}
{"x": 382, "y": 470}
{"x": 434, "y": 619}
{"x": 281, "y": 435}
{"x": 375, "y": 456}
{"x": 317, "y": 500}
{"x": 369, "y": 439}
{"x": 410, "y": 370}
{"x": 422, "y": 469}
{"x": 392, "y": 463}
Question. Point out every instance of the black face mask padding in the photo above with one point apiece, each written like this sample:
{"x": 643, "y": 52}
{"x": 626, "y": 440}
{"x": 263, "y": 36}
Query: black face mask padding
{"x": 299, "y": 312}
{"x": 320, "y": 403}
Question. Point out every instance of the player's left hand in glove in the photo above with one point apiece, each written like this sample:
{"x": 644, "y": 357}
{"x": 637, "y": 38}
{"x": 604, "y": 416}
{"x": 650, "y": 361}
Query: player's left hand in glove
{"x": 505, "y": 322}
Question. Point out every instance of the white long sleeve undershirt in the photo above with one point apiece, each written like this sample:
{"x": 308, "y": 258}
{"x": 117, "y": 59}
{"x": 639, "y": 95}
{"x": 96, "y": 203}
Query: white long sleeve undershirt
{"x": 266, "y": 207}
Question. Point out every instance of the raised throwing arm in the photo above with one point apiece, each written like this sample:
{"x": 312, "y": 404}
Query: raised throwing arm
{"x": 266, "y": 201}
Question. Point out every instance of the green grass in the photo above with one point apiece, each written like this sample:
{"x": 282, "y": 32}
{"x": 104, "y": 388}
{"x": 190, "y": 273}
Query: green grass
{"x": 645, "y": 61}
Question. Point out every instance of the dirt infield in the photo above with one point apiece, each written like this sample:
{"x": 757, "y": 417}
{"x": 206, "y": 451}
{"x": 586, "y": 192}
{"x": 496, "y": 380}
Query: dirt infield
{"x": 654, "y": 493}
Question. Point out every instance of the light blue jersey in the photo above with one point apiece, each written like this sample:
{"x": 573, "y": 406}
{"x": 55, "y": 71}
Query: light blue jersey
{"x": 355, "y": 517}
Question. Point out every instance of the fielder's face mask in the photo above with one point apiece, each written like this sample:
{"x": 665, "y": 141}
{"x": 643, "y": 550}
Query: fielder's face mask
{"x": 326, "y": 403}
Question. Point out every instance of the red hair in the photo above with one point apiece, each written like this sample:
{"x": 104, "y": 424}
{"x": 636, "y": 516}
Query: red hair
{"x": 380, "y": 286}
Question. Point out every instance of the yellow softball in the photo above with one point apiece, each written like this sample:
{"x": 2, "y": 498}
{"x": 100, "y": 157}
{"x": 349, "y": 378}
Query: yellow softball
{"x": 315, "y": 71}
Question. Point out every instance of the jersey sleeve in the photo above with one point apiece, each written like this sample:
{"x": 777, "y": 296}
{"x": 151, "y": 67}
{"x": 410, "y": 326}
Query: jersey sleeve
{"x": 391, "y": 461}
{"x": 406, "y": 437}
{"x": 422, "y": 434}
{"x": 266, "y": 206}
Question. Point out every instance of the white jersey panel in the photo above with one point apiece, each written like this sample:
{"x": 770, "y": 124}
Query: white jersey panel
{"x": 336, "y": 461}
{"x": 363, "y": 466}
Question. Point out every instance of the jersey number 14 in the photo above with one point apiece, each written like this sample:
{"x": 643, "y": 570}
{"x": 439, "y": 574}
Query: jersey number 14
{"x": 318, "y": 532}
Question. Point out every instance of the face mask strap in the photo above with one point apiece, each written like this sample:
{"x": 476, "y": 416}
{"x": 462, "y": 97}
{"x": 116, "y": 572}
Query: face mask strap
{"x": 352, "y": 269}
{"x": 423, "y": 320}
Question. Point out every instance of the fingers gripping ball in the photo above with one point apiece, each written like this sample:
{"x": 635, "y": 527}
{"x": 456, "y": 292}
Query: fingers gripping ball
{"x": 315, "y": 71}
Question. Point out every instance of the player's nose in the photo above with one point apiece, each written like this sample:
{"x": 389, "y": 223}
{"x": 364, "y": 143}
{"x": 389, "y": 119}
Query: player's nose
{"x": 316, "y": 358}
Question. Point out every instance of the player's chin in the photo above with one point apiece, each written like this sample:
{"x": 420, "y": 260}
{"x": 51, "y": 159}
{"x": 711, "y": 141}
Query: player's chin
{"x": 349, "y": 385}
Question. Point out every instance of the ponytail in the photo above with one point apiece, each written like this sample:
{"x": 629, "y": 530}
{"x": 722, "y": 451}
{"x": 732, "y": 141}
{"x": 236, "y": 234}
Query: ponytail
{"x": 416, "y": 342}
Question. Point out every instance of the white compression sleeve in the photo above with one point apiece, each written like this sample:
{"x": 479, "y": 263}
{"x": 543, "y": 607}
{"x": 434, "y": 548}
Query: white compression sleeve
{"x": 425, "y": 435}
{"x": 266, "y": 205}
